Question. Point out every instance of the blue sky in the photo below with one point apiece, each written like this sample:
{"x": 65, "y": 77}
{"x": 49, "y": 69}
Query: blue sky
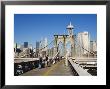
{"x": 32, "y": 27}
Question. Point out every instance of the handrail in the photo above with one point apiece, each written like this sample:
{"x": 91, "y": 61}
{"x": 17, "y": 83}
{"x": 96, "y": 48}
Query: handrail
{"x": 80, "y": 71}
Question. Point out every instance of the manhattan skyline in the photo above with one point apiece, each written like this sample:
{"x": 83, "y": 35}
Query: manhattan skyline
{"x": 32, "y": 27}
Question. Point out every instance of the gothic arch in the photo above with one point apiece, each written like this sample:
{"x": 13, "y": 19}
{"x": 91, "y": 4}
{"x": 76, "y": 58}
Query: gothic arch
{"x": 64, "y": 39}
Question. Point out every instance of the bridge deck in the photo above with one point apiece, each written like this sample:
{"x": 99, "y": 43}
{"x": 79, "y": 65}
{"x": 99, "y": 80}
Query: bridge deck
{"x": 58, "y": 69}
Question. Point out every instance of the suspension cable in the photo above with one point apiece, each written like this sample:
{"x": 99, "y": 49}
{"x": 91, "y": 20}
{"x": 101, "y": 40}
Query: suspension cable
{"x": 47, "y": 45}
{"x": 85, "y": 49}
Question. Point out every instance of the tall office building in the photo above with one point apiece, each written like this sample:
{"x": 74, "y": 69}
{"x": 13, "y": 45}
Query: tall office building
{"x": 37, "y": 45}
{"x": 30, "y": 46}
{"x": 45, "y": 44}
{"x": 22, "y": 46}
{"x": 18, "y": 46}
{"x": 83, "y": 40}
{"x": 15, "y": 47}
{"x": 37, "y": 48}
{"x": 93, "y": 46}
{"x": 25, "y": 44}
{"x": 41, "y": 43}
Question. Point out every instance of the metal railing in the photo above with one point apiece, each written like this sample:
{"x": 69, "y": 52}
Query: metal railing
{"x": 77, "y": 69}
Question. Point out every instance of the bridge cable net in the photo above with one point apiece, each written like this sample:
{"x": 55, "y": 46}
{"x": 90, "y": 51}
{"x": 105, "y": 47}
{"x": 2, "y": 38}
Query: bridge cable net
{"x": 84, "y": 48}
{"x": 51, "y": 47}
{"x": 46, "y": 45}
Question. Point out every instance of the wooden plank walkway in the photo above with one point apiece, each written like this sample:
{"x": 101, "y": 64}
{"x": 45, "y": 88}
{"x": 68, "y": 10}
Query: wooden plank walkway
{"x": 58, "y": 69}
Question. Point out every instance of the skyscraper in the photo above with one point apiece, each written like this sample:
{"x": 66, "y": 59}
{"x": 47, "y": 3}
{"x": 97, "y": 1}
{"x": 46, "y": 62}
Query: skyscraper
{"x": 25, "y": 44}
{"x": 30, "y": 46}
{"x": 18, "y": 46}
{"x": 15, "y": 47}
{"x": 83, "y": 40}
{"x": 45, "y": 44}
{"x": 37, "y": 45}
{"x": 37, "y": 48}
{"x": 94, "y": 46}
{"x": 91, "y": 46}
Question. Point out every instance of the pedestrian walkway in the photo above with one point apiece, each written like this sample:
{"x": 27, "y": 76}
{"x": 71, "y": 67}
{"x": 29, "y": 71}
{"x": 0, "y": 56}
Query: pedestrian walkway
{"x": 58, "y": 69}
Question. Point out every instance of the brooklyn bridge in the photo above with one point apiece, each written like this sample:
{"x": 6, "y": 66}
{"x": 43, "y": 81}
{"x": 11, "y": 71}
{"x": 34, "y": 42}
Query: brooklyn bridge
{"x": 77, "y": 59}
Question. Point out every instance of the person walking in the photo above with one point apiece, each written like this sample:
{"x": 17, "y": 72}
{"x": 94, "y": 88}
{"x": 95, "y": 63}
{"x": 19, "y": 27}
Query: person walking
{"x": 40, "y": 62}
{"x": 48, "y": 61}
{"x": 46, "y": 58}
{"x": 66, "y": 59}
{"x": 43, "y": 62}
{"x": 53, "y": 60}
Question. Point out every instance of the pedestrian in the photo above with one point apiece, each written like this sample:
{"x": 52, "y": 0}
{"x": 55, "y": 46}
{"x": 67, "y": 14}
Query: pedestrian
{"x": 66, "y": 59}
{"x": 46, "y": 59}
{"x": 43, "y": 62}
{"x": 53, "y": 60}
{"x": 48, "y": 62}
{"x": 40, "y": 62}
